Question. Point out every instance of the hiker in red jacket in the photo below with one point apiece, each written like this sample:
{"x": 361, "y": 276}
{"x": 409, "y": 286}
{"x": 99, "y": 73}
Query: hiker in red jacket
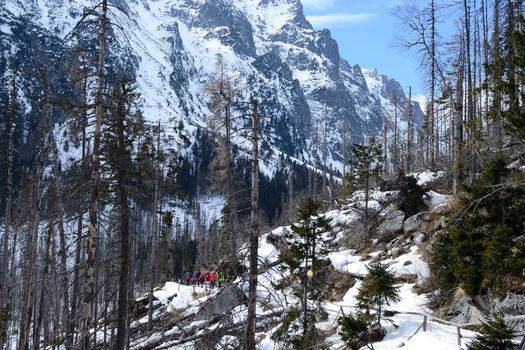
{"x": 213, "y": 279}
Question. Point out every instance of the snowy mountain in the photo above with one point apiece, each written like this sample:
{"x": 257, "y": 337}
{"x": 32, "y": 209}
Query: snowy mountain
{"x": 170, "y": 48}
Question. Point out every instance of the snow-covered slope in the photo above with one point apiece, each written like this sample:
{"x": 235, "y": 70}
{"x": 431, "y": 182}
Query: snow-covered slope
{"x": 405, "y": 330}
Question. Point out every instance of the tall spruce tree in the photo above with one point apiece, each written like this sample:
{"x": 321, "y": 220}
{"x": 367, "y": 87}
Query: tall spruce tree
{"x": 365, "y": 166}
{"x": 116, "y": 149}
{"x": 306, "y": 262}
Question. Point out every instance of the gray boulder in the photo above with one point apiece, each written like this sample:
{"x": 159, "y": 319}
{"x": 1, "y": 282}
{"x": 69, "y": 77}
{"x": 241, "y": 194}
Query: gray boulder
{"x": 391, "y": 215}
{"x": 464, "y": 312}
{"x": 389, "y": 229}
{"x": 418, "y": 222}
{"x": 419, "y": 237}
{"x": 227, "y": 299}
{"x": 413, "y": 223}
{"x": 441, "y": 209}
{"x": 408, "y": 277}
{"x": 478, "y": 309}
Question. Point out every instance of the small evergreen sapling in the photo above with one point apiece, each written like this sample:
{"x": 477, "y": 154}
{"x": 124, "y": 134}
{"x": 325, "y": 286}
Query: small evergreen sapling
{"x": 378, "y": 290}
{"x": 365, "y": 166}
{"x": 494, "y": 335}
{"x": 355, "y": 330}
{"x": 5, "y": 317}
{"x": 305, "y": 261}
{"x": 410, "y": 199}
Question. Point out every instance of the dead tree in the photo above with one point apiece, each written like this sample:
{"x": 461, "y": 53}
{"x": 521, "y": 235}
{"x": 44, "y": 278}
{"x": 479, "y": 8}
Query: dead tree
{"x": 95, "y": 183}
{"x": 4, "y": 268}
{"x": 156, "y": 226}
{"x": 254, "y": 236}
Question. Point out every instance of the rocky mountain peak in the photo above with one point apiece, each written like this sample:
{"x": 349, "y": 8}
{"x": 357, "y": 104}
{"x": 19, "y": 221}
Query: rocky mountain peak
{"x": 171, "y": 47}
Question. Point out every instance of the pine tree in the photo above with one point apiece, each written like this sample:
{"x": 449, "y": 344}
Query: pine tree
{"x": 365, "y": 165}
{"x": 306, "y": 262}
{"x": 355, "y": 330}
{"x": 494, "y": 335}
{"x": 477, "y": 250}
{"x": 378, "y": 290}
{"x": 515, "y": 115}
{"x": 116, "y": 148}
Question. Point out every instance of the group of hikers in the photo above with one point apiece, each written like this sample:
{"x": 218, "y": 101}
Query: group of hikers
{"x": 211, "y": 279}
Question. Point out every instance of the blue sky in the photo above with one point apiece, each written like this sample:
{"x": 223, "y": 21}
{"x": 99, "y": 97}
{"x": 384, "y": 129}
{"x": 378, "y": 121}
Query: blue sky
{"x": 366, "y": 31}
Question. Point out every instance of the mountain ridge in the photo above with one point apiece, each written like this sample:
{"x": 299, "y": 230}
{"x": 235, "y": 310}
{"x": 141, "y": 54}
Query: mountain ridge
{"x": 172, "y": 46}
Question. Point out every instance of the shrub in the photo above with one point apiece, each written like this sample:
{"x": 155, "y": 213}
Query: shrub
{"x": 477, "y": 251}
{"x": 494, "y": 335}
{"x": 354, "y": 330}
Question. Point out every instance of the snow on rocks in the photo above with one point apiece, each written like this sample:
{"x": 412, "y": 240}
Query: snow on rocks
{"x": 437, "y": 202}
{"x": 425, "y": 177}
{"x": 409, "y": 263}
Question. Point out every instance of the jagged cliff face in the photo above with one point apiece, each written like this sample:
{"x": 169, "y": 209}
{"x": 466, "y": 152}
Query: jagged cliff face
{"x": 171, "y": 47}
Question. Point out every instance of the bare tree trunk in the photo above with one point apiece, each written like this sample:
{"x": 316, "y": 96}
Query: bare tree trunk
{"x": 122, "y": 318}
{"x": 254, "y": 239}
{"x": 458, "y": 127}
{"x": 4, "y": 268}
{"x": 410, "y": 132}
{"x": 58, "y": 190}
{"x": 344, "y": 145}
{"x": 433, "y": 141}
{"x": 310, "y": 185}
{"x": 29, "y": 297}
{"x": 154, "y": 234}
{"x": 485, "y": 22}
{"x": 497, "y": 77}
{"x": 367, "y": 193}
{"x": 396, "y": 146}
{"x": 305, "y": 287}
{"x": 385, "y": 146}
{"x": 36, "y": 203}
{"x": 72, "y": 315}
{"x": 41, "y": 307}
{"x": 325, "y": 151}
{"x": 290, "y": 195}
{"x": 95, "y": 180}
{"x": 470, "y": 104}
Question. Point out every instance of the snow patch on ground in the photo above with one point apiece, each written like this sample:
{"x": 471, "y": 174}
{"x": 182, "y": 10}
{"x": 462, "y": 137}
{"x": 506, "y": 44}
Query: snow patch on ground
{"x": 435, "y": 199}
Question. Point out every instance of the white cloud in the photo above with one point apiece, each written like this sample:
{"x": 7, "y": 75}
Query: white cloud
{"x": 318, "y": 4}
{"x": 338, "y": 18}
